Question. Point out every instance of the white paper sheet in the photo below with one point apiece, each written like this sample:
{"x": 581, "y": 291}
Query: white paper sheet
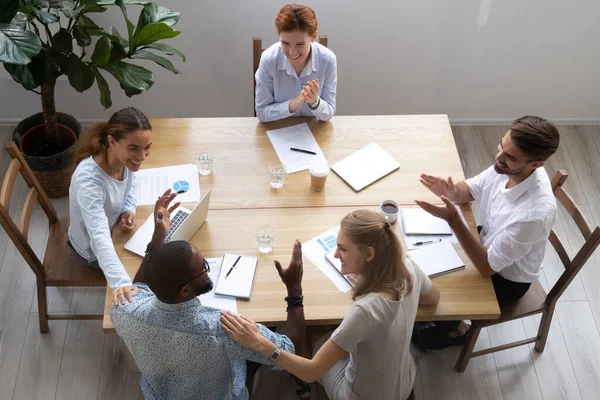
{"x": 215, "y": 300}
{"x": 300, "y": 137}
{"x": 316, "y": 248}
{"x": 437, "y": 259}
{"x": 417, "y": 221}
{"x": 412, "y": 239}
{"x": 153, "y": 182}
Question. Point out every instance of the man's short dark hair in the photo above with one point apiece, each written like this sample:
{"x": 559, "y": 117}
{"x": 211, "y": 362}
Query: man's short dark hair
{"x": 167, "y": 269}
{"x": 537, "y": 137}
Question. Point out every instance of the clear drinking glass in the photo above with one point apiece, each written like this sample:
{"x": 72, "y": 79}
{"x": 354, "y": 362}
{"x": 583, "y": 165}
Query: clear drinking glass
{"x": 276, "y": 175}
{"x": 204, "y": 162}
{"x": 265, "y": 235}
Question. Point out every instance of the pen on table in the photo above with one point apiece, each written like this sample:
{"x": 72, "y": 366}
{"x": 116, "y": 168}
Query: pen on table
{"x": 303, "y": 151}
{"x": 233, "y": 266}
{"x": 427, "y": 242}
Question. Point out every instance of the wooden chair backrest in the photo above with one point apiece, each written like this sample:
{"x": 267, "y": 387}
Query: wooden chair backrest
{"x": 257, "y": 51}
{"x": 592, "y": 239}
{"x": 19, "y": 234}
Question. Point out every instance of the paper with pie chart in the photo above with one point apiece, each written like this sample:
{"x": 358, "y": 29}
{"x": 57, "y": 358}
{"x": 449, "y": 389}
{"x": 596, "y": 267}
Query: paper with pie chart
{"x": 153, "y": 182}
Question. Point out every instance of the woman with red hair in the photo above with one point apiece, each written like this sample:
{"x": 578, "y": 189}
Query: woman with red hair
{"x": 296, "y": 76}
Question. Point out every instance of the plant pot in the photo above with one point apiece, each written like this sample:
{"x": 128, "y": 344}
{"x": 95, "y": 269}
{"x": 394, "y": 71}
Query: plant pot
{"x": 54, "y": 169}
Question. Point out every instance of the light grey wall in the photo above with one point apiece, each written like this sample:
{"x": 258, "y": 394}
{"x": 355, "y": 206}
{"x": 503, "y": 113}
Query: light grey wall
{"x": 476, "y": 60}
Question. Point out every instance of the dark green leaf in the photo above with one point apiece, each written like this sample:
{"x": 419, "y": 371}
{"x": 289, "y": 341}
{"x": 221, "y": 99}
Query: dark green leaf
{"x": 38, "y": 3}
{"x": 22, "y": 75}
{"x": 117, "y": 53}
{"x": 17, "y": 46}
{"x": 46, "y": 17}
{"x": 127, "y": 2}
{"x": 25, "y": 8}
{"x": 163, "y": 62}
{"x": 87, "y": 22}
{"x": 60, "y": 60}
{"x": 81, "y": 76}
{"x": 105, "y": 99}
{"x": 60, "y": 4}
{"x": 82, "y": 36}
{"x": 101, "y": 53}
{"x": 153, "y": 13}
{"x": 20, "y": 20}
{"x": 154, "y": 32}
{"x": 130, "y": 26}
{"x": 165, "y": 48}
{"x": 62, "y": 41}
{"x": 8, "y": 10}
{"x": 42, "y": 67}
{"x": 133, "y": 78}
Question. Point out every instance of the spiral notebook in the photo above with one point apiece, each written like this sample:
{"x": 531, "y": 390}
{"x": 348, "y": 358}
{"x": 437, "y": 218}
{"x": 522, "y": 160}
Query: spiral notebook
{"x": 240, "y": 281}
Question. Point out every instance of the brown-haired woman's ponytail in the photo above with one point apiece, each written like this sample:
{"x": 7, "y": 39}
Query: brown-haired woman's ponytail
{"x": 92, "y": 142}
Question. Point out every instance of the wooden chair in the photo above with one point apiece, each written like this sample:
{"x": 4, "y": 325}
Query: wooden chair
{"x": 257, "y": 51}
{"x": 61, "y": 267}
{"x": 536, "y": 300}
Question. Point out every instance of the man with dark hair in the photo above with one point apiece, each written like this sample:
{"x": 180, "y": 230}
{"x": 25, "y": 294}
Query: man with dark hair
{"x": 178, "y": 344}
{"x": 517, "y": 211}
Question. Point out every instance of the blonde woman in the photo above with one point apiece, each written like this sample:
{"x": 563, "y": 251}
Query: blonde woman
{"x": 368, "y": 355}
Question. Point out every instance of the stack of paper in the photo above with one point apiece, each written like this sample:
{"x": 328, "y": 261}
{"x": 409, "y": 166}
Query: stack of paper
{"x": 437, "y": 259}
{"x": 153, "y": 182}
{"x": 298, "y": 137}
{"x": 211, "y": 299}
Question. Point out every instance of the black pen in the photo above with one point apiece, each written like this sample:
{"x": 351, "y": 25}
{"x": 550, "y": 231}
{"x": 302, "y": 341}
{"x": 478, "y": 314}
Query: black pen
{"x": 181, "y": 191}
{"x": 427, "y": 242}
{"x": 303, "y": 151}
{"x": 233, "y": 266}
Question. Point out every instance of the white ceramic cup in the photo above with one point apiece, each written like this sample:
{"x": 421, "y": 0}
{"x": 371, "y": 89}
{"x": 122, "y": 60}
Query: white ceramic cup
{"x": 390, "y": 209}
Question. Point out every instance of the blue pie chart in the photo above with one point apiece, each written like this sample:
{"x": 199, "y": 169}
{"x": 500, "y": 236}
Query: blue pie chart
{"x": 181, "y": 186}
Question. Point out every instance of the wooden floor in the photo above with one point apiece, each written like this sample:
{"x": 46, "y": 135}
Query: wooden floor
{"x": 75, "y": 360}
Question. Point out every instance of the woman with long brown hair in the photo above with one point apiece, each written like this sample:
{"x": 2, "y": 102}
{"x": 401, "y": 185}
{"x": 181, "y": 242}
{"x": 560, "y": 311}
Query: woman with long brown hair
{"x": 368, "y": 355}
{"x": 102, "y": 192}
{"x": 296, "y": 76}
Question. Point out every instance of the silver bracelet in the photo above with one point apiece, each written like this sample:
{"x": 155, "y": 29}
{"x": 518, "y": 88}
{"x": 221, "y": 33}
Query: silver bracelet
{"x": 315, "y": 105}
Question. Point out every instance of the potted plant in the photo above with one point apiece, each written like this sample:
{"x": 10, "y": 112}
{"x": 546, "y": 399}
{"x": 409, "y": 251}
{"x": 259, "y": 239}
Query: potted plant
{"x": 41, "y": 40}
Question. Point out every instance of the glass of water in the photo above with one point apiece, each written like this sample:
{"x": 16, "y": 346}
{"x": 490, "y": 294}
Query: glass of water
{"x": 204, "y": 162}
{"x": 276, "y": 175}
{"x": 264, "y": 236}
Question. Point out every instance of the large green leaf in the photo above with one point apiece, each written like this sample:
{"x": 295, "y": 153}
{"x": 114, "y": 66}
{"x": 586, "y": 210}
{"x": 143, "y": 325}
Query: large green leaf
{"x": 82, "y": 35}
{"x": 163, "y": 62}
{"x": 105, "y": 98}
{"x": 81, "y": 76}
{"x": 133, "y": 78}
{"x": 153, "y": 33}
{"x": 38, "y": 3}
{"x": 130, "y": 26}
{"x": 166, "y": 49}
{"x": 22, "y": 75}
{"x": 46, "y": 17}
{"x": 17, "y": 46}
{"x": 42, "y": 67}
{"x": 62, "y": 41}
{"x": 59, "y": 4}
{"x": 127, "y": 2}
{"x": 153, "y": 13}
{"x": 8, "y": 10}
{"x": 117, "y": 52}
{"x": 86, "y": 22}
{"x": 20, "y": 19}
{"x": 101, "y": 53}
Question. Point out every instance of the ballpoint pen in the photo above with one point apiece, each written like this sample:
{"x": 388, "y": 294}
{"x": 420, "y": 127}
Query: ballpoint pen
{"x": 233, "y": 266}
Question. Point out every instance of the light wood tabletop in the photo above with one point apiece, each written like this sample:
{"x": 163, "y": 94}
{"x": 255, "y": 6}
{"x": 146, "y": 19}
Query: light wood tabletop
{"x": 241, "y": 200}
{"x": 242, "y": 152}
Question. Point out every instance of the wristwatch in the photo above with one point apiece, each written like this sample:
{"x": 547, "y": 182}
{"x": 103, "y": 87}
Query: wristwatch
{"x": 275, "y": 354}
{"x": 315, "y": 105}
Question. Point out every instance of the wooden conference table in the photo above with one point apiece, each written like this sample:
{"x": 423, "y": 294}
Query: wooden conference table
{"x": 242, "y": 199}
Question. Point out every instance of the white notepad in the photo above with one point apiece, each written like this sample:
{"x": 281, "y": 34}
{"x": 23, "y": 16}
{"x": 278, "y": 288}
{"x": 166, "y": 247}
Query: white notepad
{"x": 437, "y": 259}
{"x": 417, "y": 221}
{"x": 240, "y": 281}
{"x": 365, "y": 166}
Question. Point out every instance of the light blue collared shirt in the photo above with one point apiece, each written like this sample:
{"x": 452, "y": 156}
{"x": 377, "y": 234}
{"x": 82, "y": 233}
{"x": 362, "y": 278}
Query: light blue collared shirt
{"x": 277, "y": 83}
{"x": 182, "y": 351}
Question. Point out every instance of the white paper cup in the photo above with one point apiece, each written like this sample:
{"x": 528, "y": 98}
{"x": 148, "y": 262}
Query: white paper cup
{"x": 318, "y": 176}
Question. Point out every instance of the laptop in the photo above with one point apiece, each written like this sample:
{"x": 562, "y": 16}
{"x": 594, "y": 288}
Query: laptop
{"x": 184, "y": 225}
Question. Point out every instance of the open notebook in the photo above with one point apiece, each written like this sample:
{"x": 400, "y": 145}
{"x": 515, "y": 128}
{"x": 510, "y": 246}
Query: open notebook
{"x": 241, "y": 279}
{"x": 437, "y": 259}
{"x": 338, "y": 265}
{"x": 417, "y": 221}
{"x": 365, "y": 166}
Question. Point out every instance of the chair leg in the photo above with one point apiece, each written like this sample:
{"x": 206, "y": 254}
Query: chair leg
{"x": 544, "y": 329}
{"x": 467, "y": 350}
{"x": 42, "y": 307}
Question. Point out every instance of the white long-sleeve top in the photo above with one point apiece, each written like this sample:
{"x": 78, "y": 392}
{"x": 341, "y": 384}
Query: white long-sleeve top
{"x": 96, "y": 200}
{"x": 277, "y": 83}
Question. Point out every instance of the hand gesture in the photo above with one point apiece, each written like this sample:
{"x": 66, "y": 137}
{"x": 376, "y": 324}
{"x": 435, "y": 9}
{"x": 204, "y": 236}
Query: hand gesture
{"x": 123, "y": 292}
{"x": 445, "y": 212}
{"x": 310, "y": 91}
{"x": 241, "y": 329}
{"x": 127, "y": 221}
{"x": 292, "y": 275}
{"x": 162, "y": 213}
{"x": 439, "y": 186}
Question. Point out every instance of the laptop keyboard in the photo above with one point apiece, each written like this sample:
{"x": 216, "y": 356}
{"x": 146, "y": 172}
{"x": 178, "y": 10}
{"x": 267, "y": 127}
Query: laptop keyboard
{"x": 176, "y": 222}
